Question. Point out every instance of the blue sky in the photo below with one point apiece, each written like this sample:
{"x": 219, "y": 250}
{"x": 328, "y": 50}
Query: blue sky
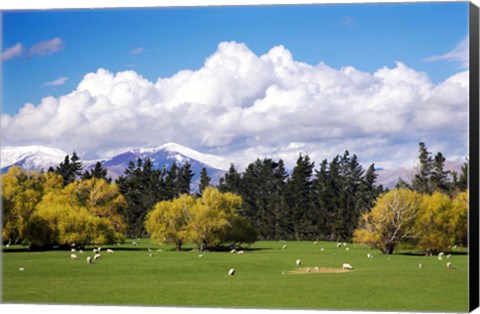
{"x": 367, "y": 36}
{"x": 360, "y": 77}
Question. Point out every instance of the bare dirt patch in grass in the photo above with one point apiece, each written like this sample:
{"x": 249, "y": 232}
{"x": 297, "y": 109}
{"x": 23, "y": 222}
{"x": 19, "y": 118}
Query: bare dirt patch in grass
{"x": 314, "y": 270}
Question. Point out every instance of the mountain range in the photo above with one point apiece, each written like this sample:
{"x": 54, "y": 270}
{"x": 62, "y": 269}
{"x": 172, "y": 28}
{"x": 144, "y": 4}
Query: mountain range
{"x": 41, "y": 157}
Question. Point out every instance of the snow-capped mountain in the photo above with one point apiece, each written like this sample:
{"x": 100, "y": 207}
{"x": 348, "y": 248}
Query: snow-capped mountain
{"x": 30, "y": 157}
{"x": 40, "y": 157}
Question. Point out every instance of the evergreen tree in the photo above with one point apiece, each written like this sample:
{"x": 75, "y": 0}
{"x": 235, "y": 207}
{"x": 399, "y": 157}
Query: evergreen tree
{"x": 69, "y": 169}
{"x": 231, "y": 181}
{"x": 463, "y": 180}
{"x": 183, "y": 180}
{"x": 422, "y": 180}
{"x": 204, "y": 181}
{"x": 97, "y": 172}
{"x": 171, "y": 182}
{"x": 298, "y": 199}
{"x": 439, "y": 177}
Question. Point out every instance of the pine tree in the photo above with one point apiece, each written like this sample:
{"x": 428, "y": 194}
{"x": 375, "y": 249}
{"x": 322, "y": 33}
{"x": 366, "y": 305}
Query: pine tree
{"x": 69, "y": 169}
{"x": 231, "y": 181}
{"x": 463, "y": 180}
{"x": 204, "y": 181}
{"x": 97, "y": 172}
{"x": 170, "y": 182}
{"x": 183, "y": 180}
{"x": 422, "y": 180}
{"x": 439, "y": 177}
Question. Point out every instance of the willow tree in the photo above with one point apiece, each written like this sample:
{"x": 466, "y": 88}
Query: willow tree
{"x": 390, "y": 221}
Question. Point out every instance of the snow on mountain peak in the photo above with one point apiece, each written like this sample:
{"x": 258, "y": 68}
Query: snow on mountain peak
{"x": 179, "y": 151}
{"x": 31, "y": 157}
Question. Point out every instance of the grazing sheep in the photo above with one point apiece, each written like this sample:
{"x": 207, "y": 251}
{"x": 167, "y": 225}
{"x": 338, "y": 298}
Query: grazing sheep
{"x": 315, "y": 243}
{"x": 95, "y": 251}
{"x": 347, "y": 249}
{"x": 308, "y": 269}
{"x": 200, "y": 256}
{"x": 449, "y": 255}
{"x": 298, "y": 262}
{"x": 420, "y": 265}
{"x": 284, "y": 247}
{"x": 339, "y": 244}
{"x": 316, "y": 268}
{"x": 369, "y": 255}
{"x": 73, "y": 256}
{"x": 149, "y": 249}
{"x": 73, "y": 250}
{"x": 110, "y": 251}
{"x": 344, "y": 244}
{"x": 347, "y": 266}
{"x": 441, "y": 254}
{"x": 99, "y": 249}
{"x": 89, "y": 259}
{"x": 97, "y": 256}
{"x": 454, "y": 247}
{"x": 21, "y": 269}
{"x": 134, "y": 243}
{"x": 449, "y": 265}
{"x": 231, "y": 272}
{"x": 440, "y": 257}
{"x": 240, "y": 252}
{"x": 232, "y": 251}
{"x": 322, "y": 249}
{"x": 150, "y": 254}
{"x": 159, "y": 250}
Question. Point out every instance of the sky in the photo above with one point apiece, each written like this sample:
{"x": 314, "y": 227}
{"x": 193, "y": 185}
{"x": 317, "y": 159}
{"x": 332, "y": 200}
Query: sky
{"x": 241, "y": 82}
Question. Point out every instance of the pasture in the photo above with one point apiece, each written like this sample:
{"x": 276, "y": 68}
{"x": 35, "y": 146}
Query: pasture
{"x": 262, "y": 279}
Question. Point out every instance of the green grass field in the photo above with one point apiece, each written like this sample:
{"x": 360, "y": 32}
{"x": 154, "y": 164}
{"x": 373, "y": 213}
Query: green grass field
{"x": 130, "y": 277}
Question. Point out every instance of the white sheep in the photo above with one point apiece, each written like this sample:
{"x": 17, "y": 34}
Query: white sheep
{"x": 308, "y": 269}
{"x": 200, "y": 256}
{"x": 73, "y": 250}
{"x": 322, "y": 249}
{"x": 347, "y": 266}
{"x": 97, "y": 256}
{"x": 240, "y": 252}
{"x": 89, "y": 259}
{"x": 449, "y": 255}
{"x": 339, "y": 244}
{"x": 344, "y": 244}
{"x": 231, "y": 272}
{"x": 134, "y": 243}
{"x": 315, "y": 243}
{"x": 298, "y": 262}
{"x": 95, "y": 251}
{"x": 449, "y": 265}
{"x": 110, "y": 251}
{"x": 149, "y": 249}
{"x": 150, "y": 254}
{"x": 440, "y": 257}
{"x": 21, "y": 269}
{"x": 369, "y": 255}
{"x": 99, "y": 249}
{"x": 73, "y": 256}
{"x": 441, "y": 254}
{"x": 81, "y": 251}
{"x": 420, "y": 265}
{"x": 347, "y": 249}
{"x": 316, "y": 268}
{"x": 284, "y": 247}
{"x": 232, "y": 251}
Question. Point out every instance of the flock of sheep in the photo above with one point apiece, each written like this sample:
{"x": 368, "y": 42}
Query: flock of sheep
{"x": 231, "y": 272}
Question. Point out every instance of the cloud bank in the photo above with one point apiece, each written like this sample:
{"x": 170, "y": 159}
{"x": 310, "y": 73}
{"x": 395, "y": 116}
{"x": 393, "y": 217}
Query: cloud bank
{"x": 242, "y": 106}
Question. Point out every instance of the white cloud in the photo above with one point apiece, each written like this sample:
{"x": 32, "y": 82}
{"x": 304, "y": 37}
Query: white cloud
{"x": 46, "y": 48}
{"x": 243, "y": 106}
{"x": 459, "y": 54}
{"x": 137, "y": 51}
{"x": 60, "y": 81}
{"x": 12, "y": 52}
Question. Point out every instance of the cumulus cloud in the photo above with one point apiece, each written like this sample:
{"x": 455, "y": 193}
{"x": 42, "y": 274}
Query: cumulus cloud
{"x": 60, "y": 81}
{"x": 12, "y": 52}
{"x": 459, "y": 54}
{"x": 242, "y": 106}
{"x": 46, "y": 48}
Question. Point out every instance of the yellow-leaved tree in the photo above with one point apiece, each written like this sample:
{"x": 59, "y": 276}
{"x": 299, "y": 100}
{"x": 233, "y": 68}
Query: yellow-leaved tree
{"x": 83, "y": 212}
{"x": 390, "y": 221}
{"x": 21, "y": 192}
{"x": 432, "y": 223}
{"x": 167, "y": 221}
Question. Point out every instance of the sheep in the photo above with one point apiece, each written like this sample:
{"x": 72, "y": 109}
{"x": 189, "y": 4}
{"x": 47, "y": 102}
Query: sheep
{"x": 347, "y": 266}
{"x": 150, "y": 254}
{"x": 308, "y": 269}
{"x": 159, "y": 250}
{"x": 97, "y": 256}
{"x": 73, "y": 256}
{"x": 440, "y": 257}
{"x": 420, "y": 265}
{"x": 240, "y": 252}
{"x": 89, "y": 259}
{"x": 339, "y": 245}
{"x": 200, "y": 256}
{"x": 322, "y": 249}
{"x": 95, "y": 251}
{"x": 284, "y": 247}
{"x": 315, "y": 243}
{"x": 344, "y": 244}
{"x": 441, "y": 254}
{"x": 347, "y": 249}
{"x": 231, "y": 272}
{"x": 21, "y": 269}
{"x": 149, "y": 249}
{"x": 298, "y": 262}
{"x": 449, "y": 255}
{"x": 99, "y": 249}
{"x": 81, "y": 251}
{"x": 449, "y": 265}
{"x": 232, "y": 251}
{"x": 110, "y": 251}
{"x": 369, "y": 255}
{"x": 73, "y": 250}
{"x": 316, "y": 268}
{"x": 134, "y": 243}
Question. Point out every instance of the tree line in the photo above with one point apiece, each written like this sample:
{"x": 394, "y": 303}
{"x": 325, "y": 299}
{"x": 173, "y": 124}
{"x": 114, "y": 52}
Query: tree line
{"x": 333, "y": 201}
